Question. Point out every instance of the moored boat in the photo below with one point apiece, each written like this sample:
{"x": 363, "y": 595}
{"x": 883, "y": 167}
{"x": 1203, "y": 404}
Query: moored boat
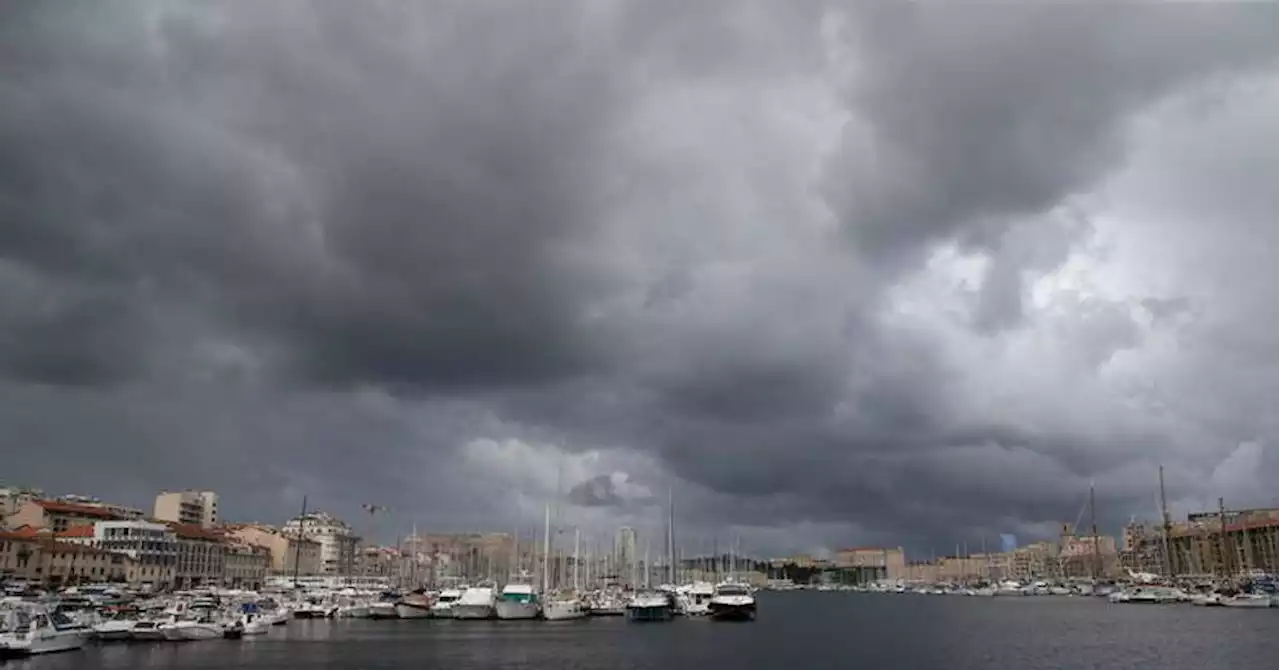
{"x": 732, "y": 602}
{"x": 43, "y": 632}
{"x": 475, "y": 603}
{"x": 650, "y": 606}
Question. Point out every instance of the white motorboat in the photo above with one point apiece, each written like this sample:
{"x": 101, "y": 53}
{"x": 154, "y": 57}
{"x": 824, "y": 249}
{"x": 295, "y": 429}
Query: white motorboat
{"x": 732, "y": 602}
{"x": 416, "y": 605}
{"x": 443, "y": 606}
{"x": 475, "y": 603}
{"x": 650, "y": 606}
{"x": 516, "y": 601}
{"x": 43, "y": 632}
{"x": 697, "y": 598}
{"x": 563, "y": 609}
{"x": 251, "y": 621}
{"x": 383, "y": 609}
{"x": 1260, "y": 600}
{"x": 117, "y": 626}
{"x": 191, "y": 628}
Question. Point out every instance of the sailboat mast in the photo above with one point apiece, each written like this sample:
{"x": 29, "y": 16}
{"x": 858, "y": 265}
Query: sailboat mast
{"x": 577, "y": 538}
{"x": 671, "y": 538}
{"x": 546, "y": 551}
{"x": 1093, "y": 529}
{"x": 1166, "y": 559}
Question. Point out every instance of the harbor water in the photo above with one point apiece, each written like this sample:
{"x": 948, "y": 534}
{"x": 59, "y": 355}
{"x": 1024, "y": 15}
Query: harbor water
{"x": 794, "y": 630}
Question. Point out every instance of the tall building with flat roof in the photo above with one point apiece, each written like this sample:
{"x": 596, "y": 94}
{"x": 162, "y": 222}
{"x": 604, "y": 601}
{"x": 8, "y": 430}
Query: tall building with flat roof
{"x": 198, "y": 508}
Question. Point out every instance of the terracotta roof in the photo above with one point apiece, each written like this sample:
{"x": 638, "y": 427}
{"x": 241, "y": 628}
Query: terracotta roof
{"x": 76, "y": 531}
{"x": 26, "y": 533}
{"x": 56, "y": 507}
{"x": 191, "y": 531}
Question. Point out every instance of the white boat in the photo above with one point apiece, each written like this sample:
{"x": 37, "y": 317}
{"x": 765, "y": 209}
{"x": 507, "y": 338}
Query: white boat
{"x": 563, "y": 609}
{"x": 43, "y": 632}
{"x": 416, "y": 605}
{"x": 732, "y": 602}
{"x": 118, "y": 626}
{"x": 697, "y": 598}
{"x": 383, "y": 609}
{"x": 251, "y": 621}
{"x": 475, "y": 603}
{"x": 1260, "y": 600}
{"x": 191, "y": 628}
{"x": 443, "y": 606}
{"x": 516, "y": 601}
{"x": 649, "y": 606}
{"x": 147, "y": 630}
{"x": 1147, "y": 595}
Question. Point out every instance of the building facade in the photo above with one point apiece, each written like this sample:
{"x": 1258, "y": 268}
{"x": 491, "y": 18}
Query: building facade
{"x": 14, "y": 497}
{"x": 287, "y": 554}
{"x": 245, "y": 565}
{"x": 200, "y": 557}
{"x": 153, "y": 546}
{"x": 194, "y": 508}
{"x": 872, "y": 563}
{"x": 337, "y": 542}
{"x": 58, "y": 516}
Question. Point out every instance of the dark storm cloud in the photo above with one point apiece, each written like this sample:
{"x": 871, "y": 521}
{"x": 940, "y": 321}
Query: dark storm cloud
{"x": 379, "y": 252}
{"x": 1041, "y": 92}
{"x": 391, "y": 224}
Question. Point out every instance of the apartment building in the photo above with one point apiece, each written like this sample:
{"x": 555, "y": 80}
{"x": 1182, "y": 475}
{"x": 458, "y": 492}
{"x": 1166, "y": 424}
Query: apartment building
{"x": 288, "y": 554}
{"x": 200, "y": 556}
{"x": 192, "y": 508}
{"x": 873, "y": 562}
{"x": 245, "y": 565}
{"x": 153, "y": 546}
{"x": 58, "y": 516}
{"x": 337, "y": 542}
{"x": 18, "y": 551}
{"x": 14, "y": 497}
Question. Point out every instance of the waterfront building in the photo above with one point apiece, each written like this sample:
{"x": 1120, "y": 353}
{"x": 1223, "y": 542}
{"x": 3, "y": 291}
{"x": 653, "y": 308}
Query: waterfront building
{"x": 193, "y": 508}
{"x": 288, "y": 554}
{"x": 245, "y": 565}
{"x": 39, "y": 557}
{"x": 58, "y": 516}
{"x": 337, "y": 542}
{"x": 200, "y": 558}
{"x": 14, "y": 497}
{"x": 120, "y": 511}
{"x": 153, "y": 546}
{"x": 872, "y": 563}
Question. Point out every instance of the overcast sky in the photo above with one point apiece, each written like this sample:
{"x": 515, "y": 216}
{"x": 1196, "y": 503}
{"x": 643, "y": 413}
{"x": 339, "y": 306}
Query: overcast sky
{"x": 834, "y": 274}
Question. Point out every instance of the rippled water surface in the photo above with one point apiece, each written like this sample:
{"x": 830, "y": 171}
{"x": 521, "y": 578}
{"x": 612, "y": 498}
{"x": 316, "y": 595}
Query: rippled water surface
{"x": 797, "y": 630}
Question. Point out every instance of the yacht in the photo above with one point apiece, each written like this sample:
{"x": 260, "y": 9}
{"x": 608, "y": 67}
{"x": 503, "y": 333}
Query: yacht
{"x": 732, "y": 602}
{"x": 476, "y": 603}
{"x": 698, "y": 598}
{"x": 563, "y": 608}
{"x": 193, "y": 627}
{"x": 251, "y": 621}
{"x": 416, "y": 605}
{"x": 118, "y": 625}
{"x": 43, "y": 632}
{"x": 517, "y": 601}
{"x": 1261, "y": 600}
{"x": 650, "y": 606}
{"x": 443, "y": 606}
{"x": 384, "y": 607}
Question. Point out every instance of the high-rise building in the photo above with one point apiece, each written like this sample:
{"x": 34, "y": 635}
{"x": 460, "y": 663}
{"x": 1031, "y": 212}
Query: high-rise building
{"x": 198, "y": 508}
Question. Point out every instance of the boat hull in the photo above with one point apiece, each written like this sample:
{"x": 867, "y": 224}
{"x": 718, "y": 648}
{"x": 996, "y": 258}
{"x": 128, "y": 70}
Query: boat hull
{"x": 563, "y": 610}
{"x": 12, "y": 644}
{"x": 412, "y": 611}
{"x": 647, "y": 614}
{"x": 509, "y": 610}
{"x": 743, "y": 612}
{"x": 470, "y": 611}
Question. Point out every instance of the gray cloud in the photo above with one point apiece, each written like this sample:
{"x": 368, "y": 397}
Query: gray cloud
{"x": 867, "y": 273}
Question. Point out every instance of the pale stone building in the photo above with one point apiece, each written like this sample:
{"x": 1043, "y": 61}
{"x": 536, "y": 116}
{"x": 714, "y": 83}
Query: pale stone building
{"x": 286, "y": 552}
{"x": 196, "y": 508}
